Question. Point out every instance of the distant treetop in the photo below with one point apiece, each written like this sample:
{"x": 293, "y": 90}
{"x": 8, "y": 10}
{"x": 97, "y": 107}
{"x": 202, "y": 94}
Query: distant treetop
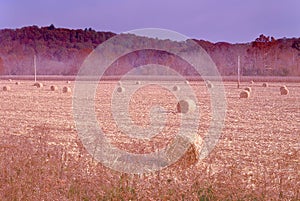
{"x": 265, "y": 39}
{"x": 51, "y": 27}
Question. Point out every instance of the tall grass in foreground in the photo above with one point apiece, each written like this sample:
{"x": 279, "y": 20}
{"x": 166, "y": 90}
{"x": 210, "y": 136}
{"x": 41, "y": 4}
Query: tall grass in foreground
{"x": 33, "y": 169}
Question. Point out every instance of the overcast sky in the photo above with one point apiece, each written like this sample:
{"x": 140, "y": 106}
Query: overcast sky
{"x": 214, "y": 20}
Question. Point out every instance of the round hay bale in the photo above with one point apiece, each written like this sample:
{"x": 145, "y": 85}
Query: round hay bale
{"x": 10, "y": 80}
{"x": 251, "y": 82}
{"x": 119, "y": 83}
{"x": 248, "y": 89}
{"x": 66, "y": 90}
{"x": 191, "y": 155}
{"x": 265, "y": 84}
{"x": 53, "y": 87}
{"x": 209, "y": 85}
{"x": 245, "y": 94}
{"x": 187, "y": 82}
{"x": 282, "y": 87}
{"x": 185, "y": 106}
{"x": 176, "y": 88}
{"x": 6, "y": 88}
{"x": 18, "y": 83}
{"x": 68, "y": 82}
{"x": 138, "y": 82}
{"x": 284, "y": 90}
{"x": 120, "y": 89}
{"x": 38, "y": 84}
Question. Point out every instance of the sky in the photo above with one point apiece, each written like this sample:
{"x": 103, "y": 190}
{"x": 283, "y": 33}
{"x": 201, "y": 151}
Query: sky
{"x": 234, "y": 21}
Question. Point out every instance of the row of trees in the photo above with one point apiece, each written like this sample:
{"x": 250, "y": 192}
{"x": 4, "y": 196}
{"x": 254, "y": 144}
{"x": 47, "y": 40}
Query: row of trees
{"x": 61, "y": 51}
{"x": 264, "y": 56}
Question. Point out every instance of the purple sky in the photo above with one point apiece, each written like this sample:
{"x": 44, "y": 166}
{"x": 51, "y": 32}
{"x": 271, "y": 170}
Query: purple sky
{"x": 214, "y": 20}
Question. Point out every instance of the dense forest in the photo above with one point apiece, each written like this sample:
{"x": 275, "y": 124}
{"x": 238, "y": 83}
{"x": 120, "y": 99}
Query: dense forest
{"x": 58, "y": 51}
{"x": 61, "y": 51}
{"x": 264, "y": 56}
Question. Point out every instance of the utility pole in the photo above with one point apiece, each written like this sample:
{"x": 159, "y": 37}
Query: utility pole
{"x": 34, "y": 65}
{"x": 238, "y": 72}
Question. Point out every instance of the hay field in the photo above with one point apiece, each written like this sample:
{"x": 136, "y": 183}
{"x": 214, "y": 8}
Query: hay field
{"x": 42, "y": 158}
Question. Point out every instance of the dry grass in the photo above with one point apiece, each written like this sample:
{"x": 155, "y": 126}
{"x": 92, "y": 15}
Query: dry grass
{"x": 256, "y": 158}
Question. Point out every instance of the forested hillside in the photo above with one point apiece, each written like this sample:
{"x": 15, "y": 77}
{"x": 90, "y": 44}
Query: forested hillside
{"x": 61, "y": 51}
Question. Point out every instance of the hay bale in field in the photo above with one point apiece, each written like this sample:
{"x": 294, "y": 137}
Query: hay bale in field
{"x": 10, "y": 80}
{"x": 251, "y": 82}
{"x": 244, "y": 94}
{"x": 38, "y": 84}
{"x": 66, "y": 89}
{"x": 119, "y": 83}
{"x": 187, "y": 82}
{"x": 185, "y": 106}
{"x": 209, "y": 85}
{"x": 53, "y": 87}
{"x": 189, "y": 157}
{"x": 248, "y": 89}
{"x": 284, "y": 90}
{"x": 265, "y": 84}
{"x": 176, "y": 88}
{"x": 138, "y": 82}
{"x": 68, "y": 82}
{"x": 120, "y": 89}
{"x": 282, "y": 87}
{"x": 18, "y": 83}
{"x": 6, "y": 88}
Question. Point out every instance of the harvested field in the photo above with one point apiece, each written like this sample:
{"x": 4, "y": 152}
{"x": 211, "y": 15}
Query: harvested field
{"x": 257, "y": 156}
